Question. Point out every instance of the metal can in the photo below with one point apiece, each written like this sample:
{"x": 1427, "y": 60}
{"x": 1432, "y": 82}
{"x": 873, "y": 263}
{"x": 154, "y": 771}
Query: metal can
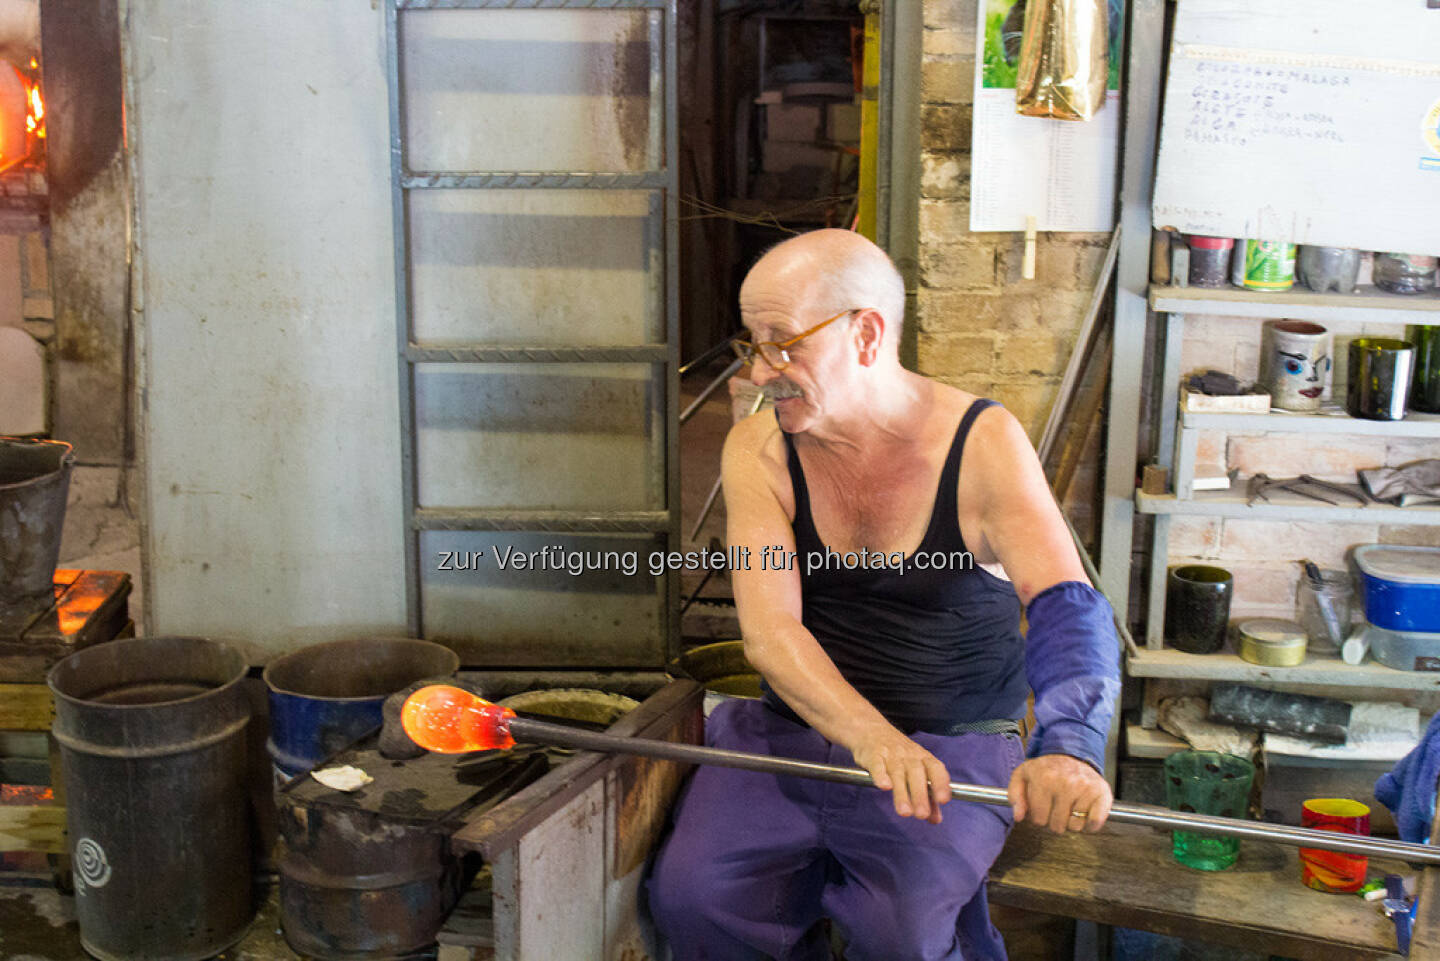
{"x": 1272, "y": 642}
{"x": 1263, "y": 265}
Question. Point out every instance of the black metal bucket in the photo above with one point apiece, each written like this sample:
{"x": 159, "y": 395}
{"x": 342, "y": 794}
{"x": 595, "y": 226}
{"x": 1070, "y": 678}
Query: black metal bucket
{"x": 34, "y": 482}
{"x": 152, "y": 736}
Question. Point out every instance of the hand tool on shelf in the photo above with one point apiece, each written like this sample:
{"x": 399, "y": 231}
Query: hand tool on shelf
{"x": 1335, "y": 488}
{"x": 1260, "y": 485}
{"x": 447, "y": 719}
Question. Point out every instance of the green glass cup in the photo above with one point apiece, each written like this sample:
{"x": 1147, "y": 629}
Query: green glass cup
{"x": 1425, "y": 384}
{"x": 1207, "y": 782}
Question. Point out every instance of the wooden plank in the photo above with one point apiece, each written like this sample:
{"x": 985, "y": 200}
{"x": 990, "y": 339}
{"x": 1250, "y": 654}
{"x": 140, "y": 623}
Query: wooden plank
{"x": 645, "y": 788}
{"x": 1143, "y": 742}
{"x": 1366, "y": 305}
{"x": 1415, "y": 424}
{"x": 558, "y": 904}
{"x": 32, "y": 827}
{"x": 1314, "y": 670}
{"x": 1126, "y": 876}
{"x": 1282, "y": 506}
{"x": 25, "y": 707}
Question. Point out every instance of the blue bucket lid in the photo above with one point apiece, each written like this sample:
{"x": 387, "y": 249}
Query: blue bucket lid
{"x": 1406, "y": 565}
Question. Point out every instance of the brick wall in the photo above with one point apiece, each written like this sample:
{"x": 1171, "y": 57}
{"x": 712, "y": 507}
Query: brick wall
{"x": 980, "y": 326}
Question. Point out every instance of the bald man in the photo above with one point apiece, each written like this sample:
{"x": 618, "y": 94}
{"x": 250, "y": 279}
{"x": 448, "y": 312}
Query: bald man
{"x": 897, "y": 527}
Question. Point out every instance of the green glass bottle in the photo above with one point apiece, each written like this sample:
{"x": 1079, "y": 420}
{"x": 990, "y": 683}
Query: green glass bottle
{"x": 1425, "y": 385}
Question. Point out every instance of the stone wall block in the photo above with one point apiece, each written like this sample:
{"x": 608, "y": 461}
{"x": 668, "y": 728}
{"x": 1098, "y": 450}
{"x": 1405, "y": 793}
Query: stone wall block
{"x": 959, "y": 266}
{"x": 948, "y": 81}
{"x": 1029, "y": 400}
{"x": 945, "y": 176}
{"x": 946, "y": 126}
{"x": 1288, "y": 542}
{"x": 1334, "y": 457}
{"x": 953, "y": 354}
{"x": 943, "y": 222}
{"x": 973, "y": 311}
{"x": 1413, "y": 534}
{"x": 1040, "y": 353}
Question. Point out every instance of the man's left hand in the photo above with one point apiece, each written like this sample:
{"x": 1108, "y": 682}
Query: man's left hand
{"x": 1060, "y": 792}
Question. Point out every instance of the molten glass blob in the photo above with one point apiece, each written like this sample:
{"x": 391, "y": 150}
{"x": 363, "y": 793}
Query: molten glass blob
{"x": 448, "y": 720}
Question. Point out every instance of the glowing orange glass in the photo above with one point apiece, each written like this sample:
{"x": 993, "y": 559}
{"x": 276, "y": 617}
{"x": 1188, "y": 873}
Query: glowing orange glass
{"x": 777, "y": 354}
{"x": 448, "y": 720}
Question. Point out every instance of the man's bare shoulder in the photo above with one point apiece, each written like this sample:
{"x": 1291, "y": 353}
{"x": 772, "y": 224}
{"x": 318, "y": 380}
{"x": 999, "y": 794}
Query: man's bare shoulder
{"x": 996, "y": 447}
{"x": 756, "y": 443}
{"x": 755, "y": 451}
{"x": 996, "y": 436}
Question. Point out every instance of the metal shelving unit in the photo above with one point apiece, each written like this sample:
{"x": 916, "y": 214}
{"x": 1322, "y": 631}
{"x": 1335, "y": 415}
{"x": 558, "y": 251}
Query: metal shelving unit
{"x": 1179, "y": 434}
{"x": 1135, "y": 304}
{"x": 533, "y": 387}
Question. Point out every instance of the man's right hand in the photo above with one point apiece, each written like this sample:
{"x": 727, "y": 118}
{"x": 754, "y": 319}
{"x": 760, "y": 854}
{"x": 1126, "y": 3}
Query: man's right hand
{"x": 916, "y": 779}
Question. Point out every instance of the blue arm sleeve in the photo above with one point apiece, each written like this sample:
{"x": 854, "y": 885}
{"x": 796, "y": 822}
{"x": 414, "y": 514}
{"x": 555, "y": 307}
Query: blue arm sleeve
{"x": 1072, "y": 659}
{"x": 1409, "y": 789}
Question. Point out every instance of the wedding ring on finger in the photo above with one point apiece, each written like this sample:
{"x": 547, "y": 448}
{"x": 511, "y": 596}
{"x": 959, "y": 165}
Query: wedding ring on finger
{"x": 1082, "y": 815}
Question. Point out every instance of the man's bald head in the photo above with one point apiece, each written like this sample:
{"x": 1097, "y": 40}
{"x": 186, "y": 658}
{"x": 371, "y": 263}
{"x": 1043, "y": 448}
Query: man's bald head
{"x": 833, "y": 270}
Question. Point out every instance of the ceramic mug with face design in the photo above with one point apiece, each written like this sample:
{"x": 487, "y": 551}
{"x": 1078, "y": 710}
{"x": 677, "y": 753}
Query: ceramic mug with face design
{"x": 1295, "y": 363}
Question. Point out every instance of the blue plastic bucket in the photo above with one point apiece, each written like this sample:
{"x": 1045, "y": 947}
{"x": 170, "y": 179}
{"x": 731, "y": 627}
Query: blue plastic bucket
{"x": 327, "y": 696}
{"x": 1402, "y": 586}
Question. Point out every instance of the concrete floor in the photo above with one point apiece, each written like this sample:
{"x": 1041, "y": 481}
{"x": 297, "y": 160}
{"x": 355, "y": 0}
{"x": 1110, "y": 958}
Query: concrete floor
{"x": 37, "y": 923}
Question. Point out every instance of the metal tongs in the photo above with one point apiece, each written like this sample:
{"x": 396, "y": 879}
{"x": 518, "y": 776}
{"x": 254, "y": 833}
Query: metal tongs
{"x": 1260, "y": 486}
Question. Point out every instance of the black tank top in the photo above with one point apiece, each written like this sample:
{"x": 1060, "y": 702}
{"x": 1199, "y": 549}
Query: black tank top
{"x": 928, "y": 638}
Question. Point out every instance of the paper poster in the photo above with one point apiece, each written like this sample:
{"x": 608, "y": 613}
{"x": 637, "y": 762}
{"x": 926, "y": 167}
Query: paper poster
{"x": 1062, "y": 172}
{"x": 1325, "y": 137}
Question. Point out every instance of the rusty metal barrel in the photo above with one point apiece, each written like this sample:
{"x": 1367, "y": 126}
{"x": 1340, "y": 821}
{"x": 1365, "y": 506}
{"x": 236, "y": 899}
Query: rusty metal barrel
{"x": 34, "y": 482}
{"x": 153, "y": 742}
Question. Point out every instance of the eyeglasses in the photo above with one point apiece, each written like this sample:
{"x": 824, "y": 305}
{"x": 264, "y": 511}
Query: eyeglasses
{"x": 777, "y": 355}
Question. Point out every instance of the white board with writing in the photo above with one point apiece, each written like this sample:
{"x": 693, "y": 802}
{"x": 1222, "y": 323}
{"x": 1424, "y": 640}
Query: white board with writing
{"x": 1310, "y": 121}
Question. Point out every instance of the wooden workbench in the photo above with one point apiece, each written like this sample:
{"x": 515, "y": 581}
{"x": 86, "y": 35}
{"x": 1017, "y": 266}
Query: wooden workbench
{"x": 1126, "y": 877}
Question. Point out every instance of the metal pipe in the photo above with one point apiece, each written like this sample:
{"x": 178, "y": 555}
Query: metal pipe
{"x": 543, "y": 732}
{"x": 715, "y": 488}
{"x": 715, "y": 350}
{"x": 714, "y": 385}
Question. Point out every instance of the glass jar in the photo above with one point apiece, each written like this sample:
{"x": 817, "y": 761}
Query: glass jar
{"x": 1404, "y": 273}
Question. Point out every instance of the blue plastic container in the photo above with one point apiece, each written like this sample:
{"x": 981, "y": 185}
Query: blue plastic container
{"x": 1402, "y": 586}
{"x": 327, "y": 696}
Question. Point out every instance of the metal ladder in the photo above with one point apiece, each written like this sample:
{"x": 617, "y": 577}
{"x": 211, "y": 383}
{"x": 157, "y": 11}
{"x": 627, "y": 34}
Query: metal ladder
{"x": 634, "y": 384}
